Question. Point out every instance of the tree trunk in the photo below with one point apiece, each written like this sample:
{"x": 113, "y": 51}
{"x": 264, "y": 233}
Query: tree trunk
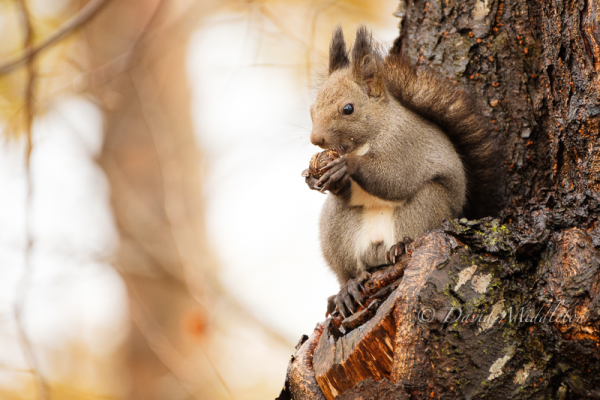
{"x": 153, "y": 165}
{"x": 498, "y": 308}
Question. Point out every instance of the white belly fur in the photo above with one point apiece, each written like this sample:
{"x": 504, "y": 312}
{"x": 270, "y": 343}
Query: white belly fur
{"x": 377, "y": 224}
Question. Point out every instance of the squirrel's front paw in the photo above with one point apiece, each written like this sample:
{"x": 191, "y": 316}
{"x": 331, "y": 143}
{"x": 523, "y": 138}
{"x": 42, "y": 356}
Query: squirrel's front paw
{"x": 310, "y": 180}
{"x": 336, "y": 177}
{"x": 349, "y": 294}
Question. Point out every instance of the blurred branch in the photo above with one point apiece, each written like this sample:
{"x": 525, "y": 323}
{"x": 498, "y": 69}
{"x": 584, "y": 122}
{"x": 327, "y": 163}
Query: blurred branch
{"x": 167, "y": 353}
{"x": 141, "y": 206}
{"x": 9, "y": 368}
{"x": 180, "y": 25}
{"x": 31, "y": 51}
{"x": 122, "y": 63}
{"x": 281, "y": 26}
{"x": 163, "y": 349}
{"x": 155, "y": 120}
{"x": 23, "y": 286}
{"x": 313, "y": 29}
{"x": 146, "y": 93}
{"x": 214, "y": 368}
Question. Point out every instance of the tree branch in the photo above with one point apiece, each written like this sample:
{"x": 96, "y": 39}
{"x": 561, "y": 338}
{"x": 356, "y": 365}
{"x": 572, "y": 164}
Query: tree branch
{"x": 30, "y": 52}
{"x": 23, "y": 286}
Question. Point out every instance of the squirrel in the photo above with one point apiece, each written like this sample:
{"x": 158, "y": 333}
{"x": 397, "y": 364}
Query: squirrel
{"x": 414, "y": 150}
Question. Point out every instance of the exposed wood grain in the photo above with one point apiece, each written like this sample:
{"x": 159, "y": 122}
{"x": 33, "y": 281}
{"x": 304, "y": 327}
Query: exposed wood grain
{"x": 379, "y": 350}
{"x": 301, "y": 376}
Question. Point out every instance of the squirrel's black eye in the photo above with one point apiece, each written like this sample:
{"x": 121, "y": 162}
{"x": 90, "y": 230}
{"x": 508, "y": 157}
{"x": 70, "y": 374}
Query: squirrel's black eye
{"x": 348, "y": 109}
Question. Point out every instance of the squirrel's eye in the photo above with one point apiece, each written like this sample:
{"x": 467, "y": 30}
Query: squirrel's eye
{"x": 348, "y": 109}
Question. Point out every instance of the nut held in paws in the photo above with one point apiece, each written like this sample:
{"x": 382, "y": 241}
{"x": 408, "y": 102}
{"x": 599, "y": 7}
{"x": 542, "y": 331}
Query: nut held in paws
{"x": 319, "y": 161}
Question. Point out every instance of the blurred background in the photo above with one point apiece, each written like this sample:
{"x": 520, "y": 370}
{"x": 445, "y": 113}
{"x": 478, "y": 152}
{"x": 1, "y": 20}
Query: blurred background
{"x": 156, "y": 238}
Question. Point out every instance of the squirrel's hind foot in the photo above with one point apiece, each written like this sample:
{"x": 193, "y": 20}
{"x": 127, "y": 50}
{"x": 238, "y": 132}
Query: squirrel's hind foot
{"x": 397, "y": 250}
{"x": 350, "y": 293}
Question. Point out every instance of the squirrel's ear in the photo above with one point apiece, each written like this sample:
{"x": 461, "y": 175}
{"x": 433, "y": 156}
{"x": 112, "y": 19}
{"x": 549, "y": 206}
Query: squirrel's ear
{"x": 367, "y": 64}
{"x": 363, "y": 46}
{"x": 338, "y": 56}
{"x": 370, "y": 76}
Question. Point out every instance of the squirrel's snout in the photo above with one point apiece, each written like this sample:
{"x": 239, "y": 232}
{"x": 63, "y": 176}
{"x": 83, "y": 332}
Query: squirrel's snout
{"x": 317, "y": 138}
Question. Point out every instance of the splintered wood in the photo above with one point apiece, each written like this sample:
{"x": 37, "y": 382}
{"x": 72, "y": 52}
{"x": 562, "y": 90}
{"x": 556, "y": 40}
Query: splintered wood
{"x": 387, "y": 346}
{"x": 300, "y": 383}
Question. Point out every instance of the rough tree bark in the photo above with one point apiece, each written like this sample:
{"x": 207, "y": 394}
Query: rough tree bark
{"x": 498, "y": 308}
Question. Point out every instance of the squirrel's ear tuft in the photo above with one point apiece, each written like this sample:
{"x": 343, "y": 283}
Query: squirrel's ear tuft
{"x": 363, "y": 45}
{"x": 338, "y": 56}
{"x": 367, "y": 63}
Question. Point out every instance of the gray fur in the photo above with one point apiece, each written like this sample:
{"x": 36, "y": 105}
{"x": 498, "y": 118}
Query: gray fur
{"x": 411, "y": 170}
{"x": 411, "y": 162}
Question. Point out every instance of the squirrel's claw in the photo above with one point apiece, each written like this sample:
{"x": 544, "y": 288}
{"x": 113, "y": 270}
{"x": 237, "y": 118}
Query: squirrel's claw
{"x": 335, "y": 162}
{"x": 311, "y": 181}
{"x": 349, "y": 294}
{"x": 337, "y": 172}
{"x": 392, "y": 255}
{"x": 330, "y": 305}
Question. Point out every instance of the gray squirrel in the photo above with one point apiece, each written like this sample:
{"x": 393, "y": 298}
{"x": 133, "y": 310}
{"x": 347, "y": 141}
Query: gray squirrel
{"x": 413, "y": 150}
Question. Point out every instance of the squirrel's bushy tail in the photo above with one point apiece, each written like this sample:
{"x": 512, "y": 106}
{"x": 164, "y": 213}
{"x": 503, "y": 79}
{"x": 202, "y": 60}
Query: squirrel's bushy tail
{"x": 456, "y": 114}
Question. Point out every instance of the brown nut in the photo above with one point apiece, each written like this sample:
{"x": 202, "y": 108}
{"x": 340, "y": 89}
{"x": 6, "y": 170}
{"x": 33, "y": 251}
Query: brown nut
{"x": 319, "y": 161}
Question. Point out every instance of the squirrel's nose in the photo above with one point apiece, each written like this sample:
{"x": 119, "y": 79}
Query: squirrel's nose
{"x": 317, "y": 138}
